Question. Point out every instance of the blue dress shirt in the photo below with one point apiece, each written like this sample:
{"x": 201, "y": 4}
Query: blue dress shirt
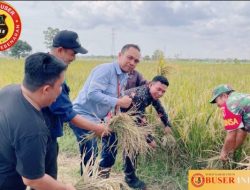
{"x": 99, "y": 94}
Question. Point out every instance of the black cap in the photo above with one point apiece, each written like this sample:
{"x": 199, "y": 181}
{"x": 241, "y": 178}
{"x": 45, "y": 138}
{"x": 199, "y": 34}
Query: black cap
{"x": 68, "y": 40}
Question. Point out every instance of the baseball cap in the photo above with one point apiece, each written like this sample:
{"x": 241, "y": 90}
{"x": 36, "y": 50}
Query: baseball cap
{"x": 69, "y": 40}
{"x": 223, "y": 88}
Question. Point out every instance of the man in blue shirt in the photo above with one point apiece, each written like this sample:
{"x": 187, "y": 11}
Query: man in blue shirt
{"x": 65, "y": 46}
{"x": 99, "y": 96}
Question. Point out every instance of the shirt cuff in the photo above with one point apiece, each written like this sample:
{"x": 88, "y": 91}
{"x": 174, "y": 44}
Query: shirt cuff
{"x": 113, "y": 101}
{"x": 70, "y": 116}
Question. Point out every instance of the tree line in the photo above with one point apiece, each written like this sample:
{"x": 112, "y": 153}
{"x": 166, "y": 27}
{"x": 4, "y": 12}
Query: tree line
{"x": 23, "y": 48}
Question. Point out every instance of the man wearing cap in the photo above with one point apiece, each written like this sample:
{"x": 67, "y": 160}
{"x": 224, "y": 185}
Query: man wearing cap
{"x": 65, "y": 46}
{"x": 236, "y": 114}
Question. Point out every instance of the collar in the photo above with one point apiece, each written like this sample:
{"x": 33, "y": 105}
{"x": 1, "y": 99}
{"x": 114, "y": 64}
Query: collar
{"x": 147, "y": 91}
{"x": 132, "y": 72}
{"x": 118, "y": 69}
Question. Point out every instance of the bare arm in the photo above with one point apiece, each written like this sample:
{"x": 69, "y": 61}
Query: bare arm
{"x": 162, "y": 114}
{"x": 229, "y": 144}
{"x": 46, "y": 182}
{"x": 240, "y": 137}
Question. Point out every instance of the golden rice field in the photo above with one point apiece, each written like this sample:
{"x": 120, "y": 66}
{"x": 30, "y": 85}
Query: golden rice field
{"x": 197, "y": 125}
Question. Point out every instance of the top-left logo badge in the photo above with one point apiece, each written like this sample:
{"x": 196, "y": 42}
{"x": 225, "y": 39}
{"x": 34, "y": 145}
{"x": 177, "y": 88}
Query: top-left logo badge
{"x": 10, "y": 26}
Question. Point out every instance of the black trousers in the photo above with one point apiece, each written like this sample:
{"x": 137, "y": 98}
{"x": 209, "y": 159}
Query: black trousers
{"x": 129, "y": 165}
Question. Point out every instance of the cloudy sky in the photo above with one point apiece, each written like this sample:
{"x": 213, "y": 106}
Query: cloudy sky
{"x": 185, "y": 29}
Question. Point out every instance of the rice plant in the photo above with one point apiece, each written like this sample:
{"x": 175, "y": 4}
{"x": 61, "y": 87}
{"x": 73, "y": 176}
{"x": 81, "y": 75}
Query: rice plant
{"x": 92, "y": 181}
{"x": 197, "y": 125}
{"x": 131, "y": 137}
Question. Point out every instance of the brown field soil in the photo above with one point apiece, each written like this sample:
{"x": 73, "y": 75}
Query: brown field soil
{"x": 69, "y": 172}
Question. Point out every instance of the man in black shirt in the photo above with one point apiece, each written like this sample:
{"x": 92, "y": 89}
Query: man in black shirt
{"x": 23, "y": 133}
{"x": 149, "y": 94}
{"x": 142, "y": 97}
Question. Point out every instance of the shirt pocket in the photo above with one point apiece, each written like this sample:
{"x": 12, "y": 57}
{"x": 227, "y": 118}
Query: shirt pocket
{"x": 111, "y": 90}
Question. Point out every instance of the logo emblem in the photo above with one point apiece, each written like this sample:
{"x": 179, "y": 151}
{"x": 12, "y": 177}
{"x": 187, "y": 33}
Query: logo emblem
{"x": 3, "y": 26}
{"x": 197, "y": 180}
{"x": 10, "y": 26}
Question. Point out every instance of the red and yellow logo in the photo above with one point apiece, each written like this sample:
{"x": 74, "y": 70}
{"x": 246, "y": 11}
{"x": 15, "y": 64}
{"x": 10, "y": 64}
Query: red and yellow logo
{"x": 197, "y": 180}
{"x": 10, "y": 26}
{"x": 218, "y": 179}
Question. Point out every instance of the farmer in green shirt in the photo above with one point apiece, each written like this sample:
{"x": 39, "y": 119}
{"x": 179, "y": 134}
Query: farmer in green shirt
{"x": 236, "y": 114}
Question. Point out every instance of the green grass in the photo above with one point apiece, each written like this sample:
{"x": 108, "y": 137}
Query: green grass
{"x": 68, "y": 143}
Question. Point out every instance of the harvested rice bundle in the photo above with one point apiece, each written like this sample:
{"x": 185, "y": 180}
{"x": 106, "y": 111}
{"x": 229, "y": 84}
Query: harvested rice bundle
{"x": 112, "y": 183}
{"x": 243, "y": 164}
{"x": 131, "y": 138}
{"x": 215, "y": 163}
{"x": 168, "y": 141}
{"x": 92, "y": 181}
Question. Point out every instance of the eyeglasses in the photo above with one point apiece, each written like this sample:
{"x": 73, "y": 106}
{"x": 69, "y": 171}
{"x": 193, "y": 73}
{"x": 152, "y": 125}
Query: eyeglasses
{"x": 130, "y": 58}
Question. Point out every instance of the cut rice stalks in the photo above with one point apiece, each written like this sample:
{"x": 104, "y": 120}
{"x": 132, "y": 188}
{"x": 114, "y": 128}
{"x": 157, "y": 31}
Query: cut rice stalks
{"x": 112, "y": 183}
{"x": 214, "y": 162}
{"x": 91, "y": 180}
{"x": 131, "y": 138}
{"x": 243, "y": 164}
{"x": 168, "y": 141}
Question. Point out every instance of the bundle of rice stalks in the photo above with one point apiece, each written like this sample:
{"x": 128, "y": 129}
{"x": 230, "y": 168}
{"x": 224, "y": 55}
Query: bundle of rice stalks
{"x": 215, "y": 162}
{"x": 131, "y": 137}
{"x": 243, "y": 164}
{"x": 113, "y": 183}
{"x": 164, "y": 140}
{"x": 168, "y": 141}
{"x": 91, "y": 179}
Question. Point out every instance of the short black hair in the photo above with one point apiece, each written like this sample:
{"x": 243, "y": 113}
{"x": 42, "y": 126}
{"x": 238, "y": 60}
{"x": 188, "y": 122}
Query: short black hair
{"x": 161, "y": 79}
{"x": 127, "y": 46}
{"x": 41, "y": 69}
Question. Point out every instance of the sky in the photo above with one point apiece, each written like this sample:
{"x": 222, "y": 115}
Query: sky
{"x": 183, "y": 29}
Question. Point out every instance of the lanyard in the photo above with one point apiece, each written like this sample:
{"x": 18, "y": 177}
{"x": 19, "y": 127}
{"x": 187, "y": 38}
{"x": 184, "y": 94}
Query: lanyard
{"x": 117, "y": 108}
